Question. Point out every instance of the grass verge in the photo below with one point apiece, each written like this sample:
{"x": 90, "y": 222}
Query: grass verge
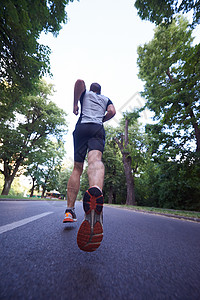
{"x": 169, "y": 212}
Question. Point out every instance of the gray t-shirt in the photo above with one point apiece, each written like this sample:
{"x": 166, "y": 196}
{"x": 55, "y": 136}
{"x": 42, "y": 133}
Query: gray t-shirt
{"x": 93, "y": 107}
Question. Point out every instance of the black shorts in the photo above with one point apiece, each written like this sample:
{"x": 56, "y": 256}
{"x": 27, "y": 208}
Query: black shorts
{"x": 87, "y": 137}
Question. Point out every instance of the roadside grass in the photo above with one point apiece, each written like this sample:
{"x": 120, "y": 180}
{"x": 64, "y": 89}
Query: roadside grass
{"x": 165, "y": 211}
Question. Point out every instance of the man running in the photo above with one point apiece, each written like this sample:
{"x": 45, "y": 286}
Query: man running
{"x": 89, "y": 136}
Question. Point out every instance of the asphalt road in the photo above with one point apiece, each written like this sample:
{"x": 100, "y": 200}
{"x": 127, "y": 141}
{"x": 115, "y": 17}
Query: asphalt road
{"x": 142, "y": 256}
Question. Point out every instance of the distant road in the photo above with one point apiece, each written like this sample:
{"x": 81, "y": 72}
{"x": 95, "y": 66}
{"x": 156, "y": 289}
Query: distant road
{"x": 142, "y": 256}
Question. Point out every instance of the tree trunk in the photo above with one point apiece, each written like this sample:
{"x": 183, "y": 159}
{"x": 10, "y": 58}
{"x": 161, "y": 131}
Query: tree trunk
{"x": 43, "y": 191}
{"x": 33, "y": 187}
{"x": 123, "y": 145}
{"x": 130, "y": 197}
{"x": 8, "y": 177}
{"x": 7, "y": 185}
{"x": 114, "y": 197}
{"x": 110, "y": 197}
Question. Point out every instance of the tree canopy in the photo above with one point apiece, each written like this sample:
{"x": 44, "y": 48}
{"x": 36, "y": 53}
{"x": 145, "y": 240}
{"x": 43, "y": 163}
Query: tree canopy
{"x": 115, "y": 181}
{"x": 158, "y": 11}
{"x": 38, "y": 120}
{"x": 169, "y": 65}
{"x": 23, "y": 60}
{"x": 44, "y": 166}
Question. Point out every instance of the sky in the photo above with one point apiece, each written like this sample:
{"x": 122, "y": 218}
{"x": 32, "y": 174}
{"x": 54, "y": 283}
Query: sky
{"x": 98, "y": 44}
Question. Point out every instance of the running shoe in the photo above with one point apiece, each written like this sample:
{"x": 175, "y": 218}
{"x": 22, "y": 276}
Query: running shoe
{"x": 90, "y": 233}
{"x": 70, "y": 216}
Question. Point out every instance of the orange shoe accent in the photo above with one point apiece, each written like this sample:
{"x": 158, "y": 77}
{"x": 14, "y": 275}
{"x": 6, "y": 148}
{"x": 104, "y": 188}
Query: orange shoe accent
{"x": 68, "y": 218}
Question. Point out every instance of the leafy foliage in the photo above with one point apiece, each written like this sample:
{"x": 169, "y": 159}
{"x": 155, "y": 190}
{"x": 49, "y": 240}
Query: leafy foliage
{"x": 38, "y": 121}
{"x": 22, "y": 58}
{"x": 44, "y": 166}
{"x": 63, "y": 178}
{"x": 115, "y": 184}
{"x": 169, "y": 65}
{"x": 163, "y": 11}
{"x": 123, "y": 156}
{"x": 170, "y": 184}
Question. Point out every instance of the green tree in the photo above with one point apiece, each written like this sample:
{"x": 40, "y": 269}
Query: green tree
{"x": 158, "y": 11}
{"x": 33, "y": 170}
{"x": 131, "y": 142}
{"x": 44, "y": 166}
{"x": 167, "y": 180}
{"x": 170, "y": 184}
{"x": 179, "y": 186}
{"x": 51, "y": 167}
{"x": 63, "y": 179}
{"x": 147, "y": 184}
{"x": 23, "y": 60}
{"x": 21, "y": 21}
{"x": 39, "y": 120}
{"x": 114, "y": 189}
{"x": 169, "y": 65}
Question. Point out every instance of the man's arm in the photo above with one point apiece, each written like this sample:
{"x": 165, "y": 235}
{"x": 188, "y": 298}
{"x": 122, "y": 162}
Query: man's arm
{"x": 110, "y": 113}
{"x": 79, "y": 88}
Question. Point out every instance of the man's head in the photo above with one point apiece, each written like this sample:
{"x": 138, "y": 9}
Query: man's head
{"x": 96, "y": 88}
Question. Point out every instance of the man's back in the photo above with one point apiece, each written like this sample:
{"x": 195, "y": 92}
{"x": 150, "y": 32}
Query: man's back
{"x": 93, "y": 107}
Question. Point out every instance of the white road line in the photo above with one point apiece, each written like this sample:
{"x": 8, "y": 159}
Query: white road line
{"x": 14, "y": 225}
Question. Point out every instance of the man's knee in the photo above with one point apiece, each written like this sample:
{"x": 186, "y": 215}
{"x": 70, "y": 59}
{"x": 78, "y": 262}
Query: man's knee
{"x": 78, "y": 167}
{"x": 93, "y": 156}
{"x": 95, "y": 163}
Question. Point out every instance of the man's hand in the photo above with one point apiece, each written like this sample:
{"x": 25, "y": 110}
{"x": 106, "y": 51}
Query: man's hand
{"x": 75, "y": 110}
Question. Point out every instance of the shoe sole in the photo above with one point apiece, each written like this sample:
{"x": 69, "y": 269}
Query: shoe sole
{"x": 90, "y": 233}
{"x": 68, "y": 220}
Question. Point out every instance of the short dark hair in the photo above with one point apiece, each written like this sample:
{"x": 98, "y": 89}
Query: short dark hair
{"x": 95, "y": 87}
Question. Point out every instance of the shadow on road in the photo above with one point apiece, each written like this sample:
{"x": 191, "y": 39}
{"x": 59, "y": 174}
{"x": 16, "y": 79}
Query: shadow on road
{"x": 69, "y": 227}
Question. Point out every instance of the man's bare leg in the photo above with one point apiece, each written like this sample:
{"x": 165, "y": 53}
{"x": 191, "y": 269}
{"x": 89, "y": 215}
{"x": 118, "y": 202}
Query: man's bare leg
{"x": 95, "y": 169}
{"x": 73, "y": 184}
